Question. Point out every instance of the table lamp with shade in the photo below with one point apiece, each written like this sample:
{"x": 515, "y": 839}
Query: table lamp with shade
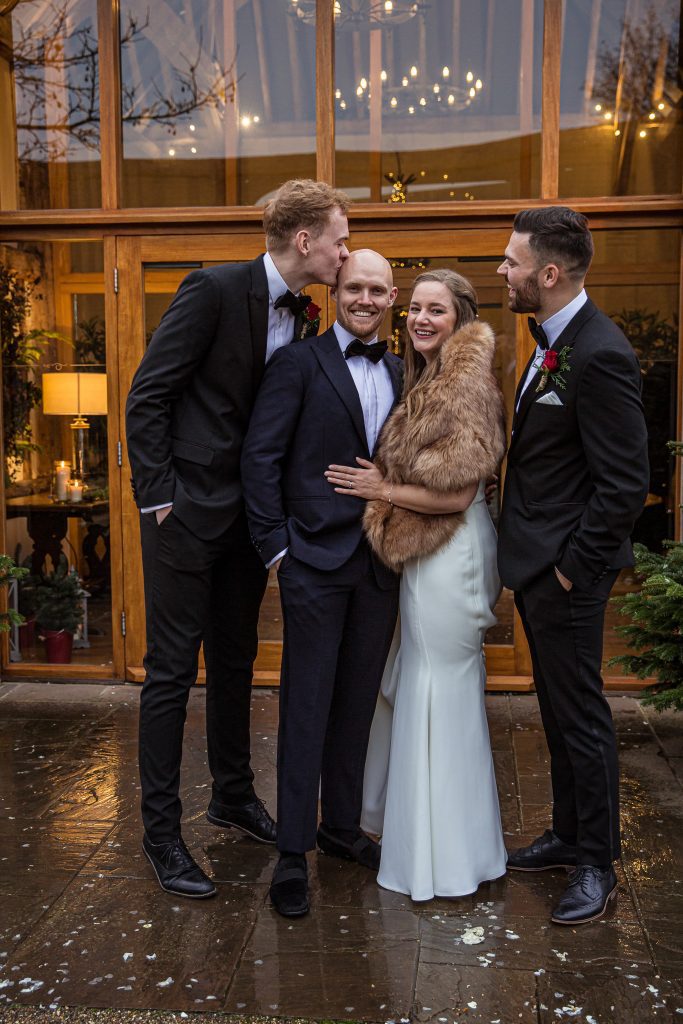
{"x": 79, "y": 395}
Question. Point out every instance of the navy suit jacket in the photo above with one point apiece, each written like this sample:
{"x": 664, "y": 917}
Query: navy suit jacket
{"x": 307, "y": 415}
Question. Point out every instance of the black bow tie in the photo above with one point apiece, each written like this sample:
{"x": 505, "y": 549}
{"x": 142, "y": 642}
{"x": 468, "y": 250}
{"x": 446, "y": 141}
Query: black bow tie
{"x": 295, "y": 303}
{"x": 374, "y": 352}
{"x": 537, "y": 333}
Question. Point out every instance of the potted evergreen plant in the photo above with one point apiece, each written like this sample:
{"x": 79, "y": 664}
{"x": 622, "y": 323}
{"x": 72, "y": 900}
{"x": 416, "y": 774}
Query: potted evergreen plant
{"x": 8, "y": 573}
{"x": 59, "y": 612}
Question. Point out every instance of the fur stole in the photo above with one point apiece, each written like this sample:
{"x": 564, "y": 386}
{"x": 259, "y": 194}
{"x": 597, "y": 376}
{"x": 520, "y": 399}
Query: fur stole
{"x": 457, "y": 439}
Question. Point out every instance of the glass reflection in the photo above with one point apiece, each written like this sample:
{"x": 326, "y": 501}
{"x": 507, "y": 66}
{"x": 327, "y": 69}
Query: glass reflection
{"x": 620, "y": 130}
{"x": 441, "y": 105}
{"x": 55, "y": 444}
{"x": 49, "y": 75}
{"x": 218, "y": 101}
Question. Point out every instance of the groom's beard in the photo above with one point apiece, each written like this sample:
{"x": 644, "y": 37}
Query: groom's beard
{"x": 527, "y": 298}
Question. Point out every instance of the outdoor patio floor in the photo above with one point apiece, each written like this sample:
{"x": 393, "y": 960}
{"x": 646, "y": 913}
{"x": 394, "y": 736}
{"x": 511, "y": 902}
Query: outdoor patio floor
{"x": 84, "y": 924}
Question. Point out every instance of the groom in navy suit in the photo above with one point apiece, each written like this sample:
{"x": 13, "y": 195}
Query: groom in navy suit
{"x": 323, "y": 401}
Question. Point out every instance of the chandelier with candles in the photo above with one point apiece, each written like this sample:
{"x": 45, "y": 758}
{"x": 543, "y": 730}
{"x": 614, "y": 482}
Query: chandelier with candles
{"x": 355, "y": 13}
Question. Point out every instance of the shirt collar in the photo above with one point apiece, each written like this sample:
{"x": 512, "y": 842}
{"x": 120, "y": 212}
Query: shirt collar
{"x": 345, "y": 337}
{"x": 555, "y": 324}
{"x": 277, "y": 285}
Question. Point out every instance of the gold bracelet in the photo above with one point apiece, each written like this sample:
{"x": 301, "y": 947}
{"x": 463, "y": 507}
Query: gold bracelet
{"x": 388, "y": 498}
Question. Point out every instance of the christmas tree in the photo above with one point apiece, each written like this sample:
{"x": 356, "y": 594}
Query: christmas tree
{"x": 655, "y": 631}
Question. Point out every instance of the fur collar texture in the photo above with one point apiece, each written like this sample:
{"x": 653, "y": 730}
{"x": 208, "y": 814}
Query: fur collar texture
{"x": 457, "y": 439}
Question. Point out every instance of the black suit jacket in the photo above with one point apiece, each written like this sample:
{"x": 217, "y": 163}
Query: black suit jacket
{"x": 577, "y": 474}
{"x": 192, "y": 395}
{"x": 307, "y": 415}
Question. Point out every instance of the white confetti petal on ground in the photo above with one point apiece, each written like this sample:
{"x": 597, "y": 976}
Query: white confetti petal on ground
{"x": 472, "y": 1005}
{"x": 472, "y": 936}
{"x": 165, "y": 984}
{"x": 127, "y": 956}
{"x": 31, "y": 986}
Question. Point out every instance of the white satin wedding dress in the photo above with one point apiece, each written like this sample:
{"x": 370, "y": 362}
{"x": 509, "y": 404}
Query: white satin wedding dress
{"x": 430, "y": 788}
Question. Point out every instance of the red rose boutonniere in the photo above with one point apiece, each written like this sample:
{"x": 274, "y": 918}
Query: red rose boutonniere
{"x": 310, "y": 321}
{"x": 554, "y": 365}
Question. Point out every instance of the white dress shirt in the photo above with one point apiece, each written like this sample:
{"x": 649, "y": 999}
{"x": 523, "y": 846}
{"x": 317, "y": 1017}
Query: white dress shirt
{"x": 373, "y": 384}
{"x": 375, "y": 390}
{"x": 280, "y": 321}
{"x": 280, "y": 326}
{"x": 553, "y": 328}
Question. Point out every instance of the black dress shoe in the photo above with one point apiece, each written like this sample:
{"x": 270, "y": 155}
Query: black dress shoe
{"x": 252, "y": 819}
{"x": 176, "y": 871}
{"x": 544, "y": 854}
{"x": 586, "y": 897}
{"x": 289, "y": 887}
{"x": 363, "y": 850}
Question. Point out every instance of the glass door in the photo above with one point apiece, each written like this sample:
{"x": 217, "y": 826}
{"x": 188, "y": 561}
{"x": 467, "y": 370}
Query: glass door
{"x": 60, "y": 474}
{"x": 149, "y": 272}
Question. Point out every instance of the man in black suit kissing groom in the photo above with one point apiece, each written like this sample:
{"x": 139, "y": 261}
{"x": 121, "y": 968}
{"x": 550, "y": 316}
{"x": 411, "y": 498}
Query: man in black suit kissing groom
{"x": 186, "y": 416}
{"x": 577, "y": 477}
{"x": 324, "y": 402}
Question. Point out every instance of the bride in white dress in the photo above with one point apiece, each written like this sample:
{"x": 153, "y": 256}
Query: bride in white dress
{"x": 430, "y": 788}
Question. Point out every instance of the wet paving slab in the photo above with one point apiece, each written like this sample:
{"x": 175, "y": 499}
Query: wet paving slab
{"x": 85, "y": 925}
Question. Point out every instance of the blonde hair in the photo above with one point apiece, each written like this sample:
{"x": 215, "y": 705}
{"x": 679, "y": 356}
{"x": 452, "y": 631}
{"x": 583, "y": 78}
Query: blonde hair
{"x": 418, "y": 375}
{"x": 300, "y": 203}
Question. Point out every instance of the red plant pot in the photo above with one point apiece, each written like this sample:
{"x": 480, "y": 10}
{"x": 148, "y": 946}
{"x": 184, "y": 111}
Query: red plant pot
{"x": 58, "y": 645}
{"x": 27, "y": 635}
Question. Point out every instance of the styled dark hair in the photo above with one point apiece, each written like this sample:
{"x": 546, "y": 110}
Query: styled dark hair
{"x": 558, "y": 235}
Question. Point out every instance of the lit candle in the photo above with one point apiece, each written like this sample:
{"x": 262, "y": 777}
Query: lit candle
{"x": 76, "y": 491}
{"x": 62, "y": 474}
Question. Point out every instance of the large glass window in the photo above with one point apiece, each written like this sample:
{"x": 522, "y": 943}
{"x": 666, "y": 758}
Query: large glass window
{"x": 438, "y": 101}
{"x": 635, "y": 280}
{"x": 49, "y": 82}
{"x": 218, "y": 101}
{"x": 620, "y": 123}
{"x": 54, "y": 376}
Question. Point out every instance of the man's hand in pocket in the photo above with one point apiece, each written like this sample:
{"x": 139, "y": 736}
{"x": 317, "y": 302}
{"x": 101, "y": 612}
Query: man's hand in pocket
{"x": 161, "y": 513}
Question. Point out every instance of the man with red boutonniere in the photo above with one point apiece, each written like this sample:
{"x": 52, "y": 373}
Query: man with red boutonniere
{"x": 577, "y": 478}
{"x": 187, "y": 416}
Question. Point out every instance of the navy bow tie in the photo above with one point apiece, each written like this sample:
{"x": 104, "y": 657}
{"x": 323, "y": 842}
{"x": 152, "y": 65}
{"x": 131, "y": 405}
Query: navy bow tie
{"x": 295, "y": 303}
{"x": 374, "y": 352}
{"x": 538, "y": 334}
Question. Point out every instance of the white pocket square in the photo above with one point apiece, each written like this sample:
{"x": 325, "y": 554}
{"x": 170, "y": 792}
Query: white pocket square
{"x": 552, "y": 398}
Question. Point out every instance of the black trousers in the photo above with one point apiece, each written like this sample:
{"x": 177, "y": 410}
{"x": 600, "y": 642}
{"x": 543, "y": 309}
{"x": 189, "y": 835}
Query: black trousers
{"x": 565, "y": 634}
{"x": 196, "y": 590}
{"x": 338, "y": 628}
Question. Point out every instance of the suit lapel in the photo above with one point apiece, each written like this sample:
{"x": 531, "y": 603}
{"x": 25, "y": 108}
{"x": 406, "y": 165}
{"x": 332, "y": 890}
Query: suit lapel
{"x": 337, "y": 372}
{"x": 394, "y": 368}
{"x": 258, "y": 318}
{"x": 567, "y": 337}
{"x": 522, "y": 404}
